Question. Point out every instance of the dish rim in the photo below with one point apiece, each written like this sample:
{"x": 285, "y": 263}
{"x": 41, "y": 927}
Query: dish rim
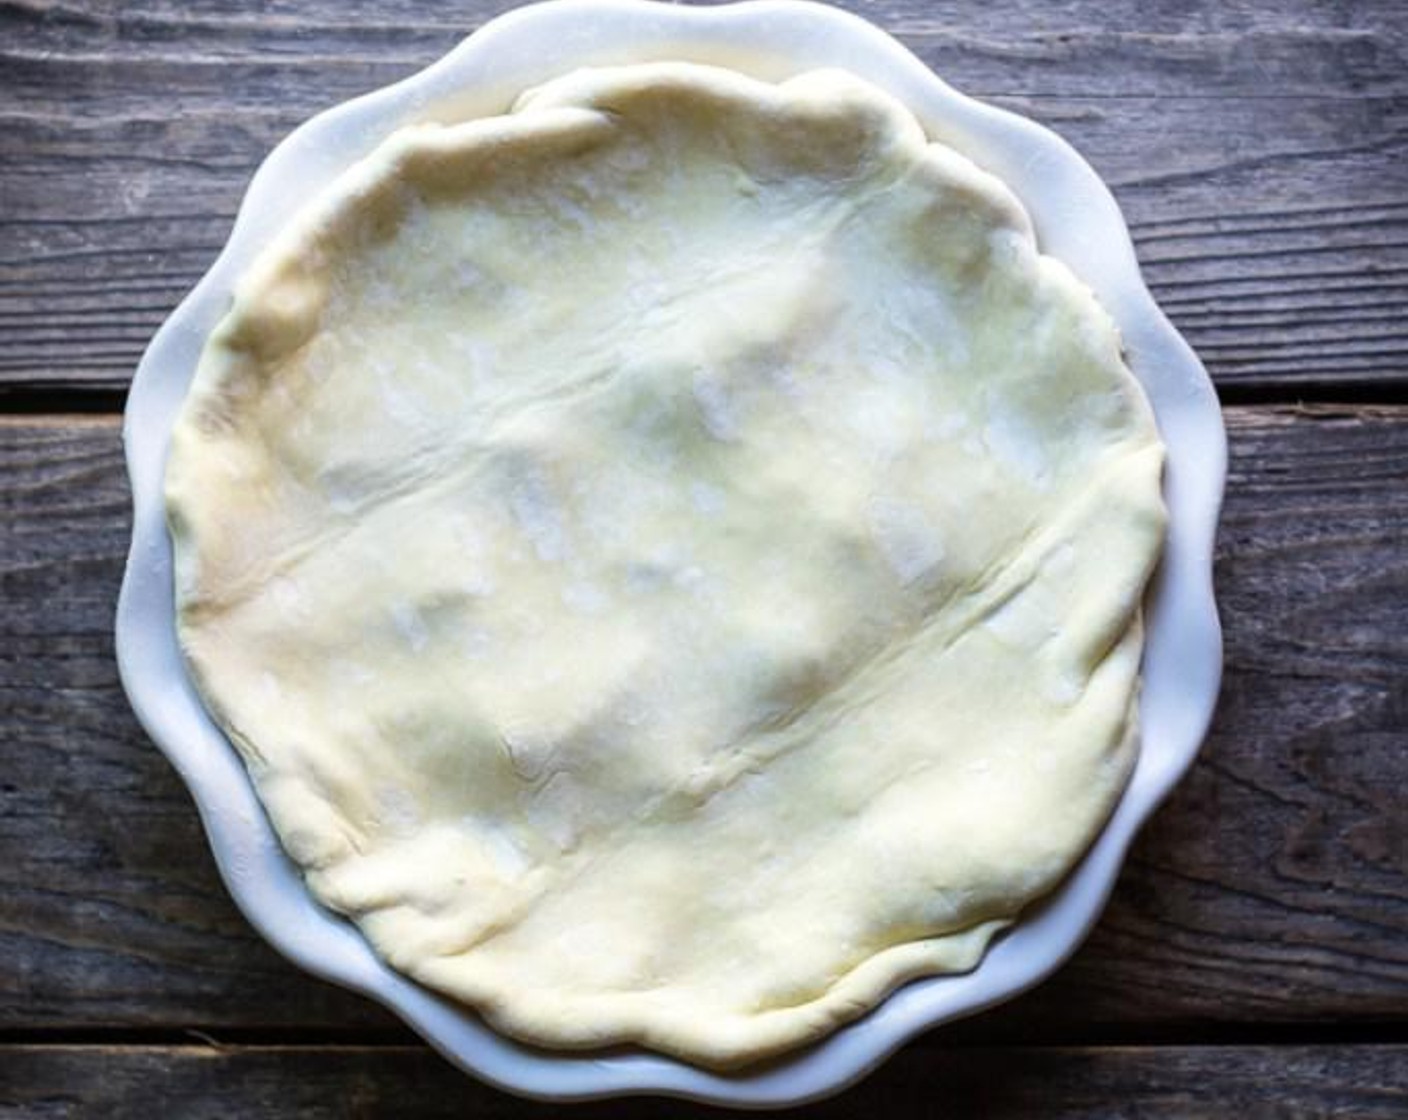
{"x": 1077, "y": 221}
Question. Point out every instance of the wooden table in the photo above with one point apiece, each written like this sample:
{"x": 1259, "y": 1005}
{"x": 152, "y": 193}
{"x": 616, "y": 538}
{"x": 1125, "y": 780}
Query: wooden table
{"x": 1254, "y": 957}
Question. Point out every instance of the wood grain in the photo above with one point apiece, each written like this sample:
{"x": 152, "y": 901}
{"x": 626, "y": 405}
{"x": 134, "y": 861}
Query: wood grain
{"x": 1260, "y": 153}
{"x": 196, "y": 1082}
{"x": 1271, "y": 890}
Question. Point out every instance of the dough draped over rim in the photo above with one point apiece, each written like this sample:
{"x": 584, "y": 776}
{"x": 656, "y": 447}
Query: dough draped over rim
{"x": 670, "y": 556}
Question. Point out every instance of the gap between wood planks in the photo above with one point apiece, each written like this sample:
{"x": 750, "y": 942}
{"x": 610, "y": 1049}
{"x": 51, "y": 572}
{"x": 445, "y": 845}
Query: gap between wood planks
{"x": 45, "y": 400}
{"x": 959, "y": 1035}
{"x": 41, "y": 400}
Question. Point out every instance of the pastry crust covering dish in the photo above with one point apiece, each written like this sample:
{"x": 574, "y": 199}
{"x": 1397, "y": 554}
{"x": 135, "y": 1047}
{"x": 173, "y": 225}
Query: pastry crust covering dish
{"x": 670, "y": 556}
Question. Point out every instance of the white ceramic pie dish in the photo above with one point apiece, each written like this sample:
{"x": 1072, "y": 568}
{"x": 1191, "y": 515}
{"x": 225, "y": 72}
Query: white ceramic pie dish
{"x": 1077, "y": 220}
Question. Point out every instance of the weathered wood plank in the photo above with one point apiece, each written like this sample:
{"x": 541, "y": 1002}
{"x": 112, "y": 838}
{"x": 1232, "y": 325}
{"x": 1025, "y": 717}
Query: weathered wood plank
{"x": 1273, "y": 887}
{"x": 117, "y": 1083}
{"x": 1261, "y": 156}
{"x": 1114, "y": 47}
{"x": 1277, "y": 876}
{"x": 107, "y": 890}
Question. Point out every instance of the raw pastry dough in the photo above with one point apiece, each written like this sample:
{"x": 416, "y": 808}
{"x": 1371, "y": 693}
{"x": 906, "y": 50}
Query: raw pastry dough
{"x": 670, "y": 556}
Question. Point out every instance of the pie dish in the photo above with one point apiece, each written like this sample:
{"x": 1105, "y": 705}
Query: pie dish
{"x": 431, "y": 99}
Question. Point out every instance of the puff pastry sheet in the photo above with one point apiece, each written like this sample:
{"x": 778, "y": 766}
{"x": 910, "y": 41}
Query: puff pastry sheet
{"x": 670, "y": 556}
